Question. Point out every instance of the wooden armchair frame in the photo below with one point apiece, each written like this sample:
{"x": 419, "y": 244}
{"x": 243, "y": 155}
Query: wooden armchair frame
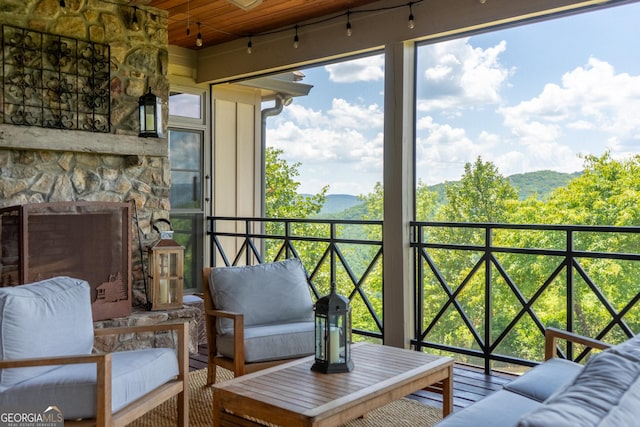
{"x": 552, "y": 335}
{"x": 236, "y": 364}
{"x": 104, "y": 418}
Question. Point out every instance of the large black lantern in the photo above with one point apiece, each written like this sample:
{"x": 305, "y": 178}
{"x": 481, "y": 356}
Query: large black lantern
{"x": 150, "y": 116}
{"x": 333, "y": 334}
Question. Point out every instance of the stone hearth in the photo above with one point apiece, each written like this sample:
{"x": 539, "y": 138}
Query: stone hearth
{"x": 191, "y": 314}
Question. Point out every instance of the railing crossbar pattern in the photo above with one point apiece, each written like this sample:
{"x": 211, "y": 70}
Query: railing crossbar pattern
{"x": 487, "y": 268}
{"x": 569, "y": 263}
{"x": 249, "y": 252}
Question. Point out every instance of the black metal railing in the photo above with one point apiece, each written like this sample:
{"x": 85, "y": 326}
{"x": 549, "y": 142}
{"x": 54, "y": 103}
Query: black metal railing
{"x": 484, "y": 293}
{"x": 347, "y": 253}
{"x": 488, "y": 291}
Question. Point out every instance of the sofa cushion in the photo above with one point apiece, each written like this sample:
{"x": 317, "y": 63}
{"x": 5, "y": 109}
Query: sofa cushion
{"x": 272, "y": 342}
{"x": 63, "y": 304}
{"x": 267, "y": 293}
{"x": 605, "y": 393}
{"x": 72, "y": 388}
{"x": 501, "y": 409}
{"x": 545, "y": 379}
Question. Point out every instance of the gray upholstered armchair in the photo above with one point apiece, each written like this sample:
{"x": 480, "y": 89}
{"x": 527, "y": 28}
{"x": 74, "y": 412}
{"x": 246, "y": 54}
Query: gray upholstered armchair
{"x": 257, "y": 316}
{"x": 46, "y": 360}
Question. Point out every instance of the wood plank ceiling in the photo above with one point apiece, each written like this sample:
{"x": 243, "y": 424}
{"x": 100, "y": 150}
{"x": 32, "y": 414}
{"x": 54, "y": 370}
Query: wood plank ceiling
{"x": 221, "y": 21}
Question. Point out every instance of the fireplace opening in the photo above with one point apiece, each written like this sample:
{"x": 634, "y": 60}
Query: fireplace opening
{"x": 85, "y": 240}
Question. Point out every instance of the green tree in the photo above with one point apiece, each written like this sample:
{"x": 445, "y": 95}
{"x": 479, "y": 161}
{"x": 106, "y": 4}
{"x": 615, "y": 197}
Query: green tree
{"x": 482, "y": 195}
{"x": 426, "y": 202}
{"x": 283, "y": 201}
{"x": 281, "y": 190}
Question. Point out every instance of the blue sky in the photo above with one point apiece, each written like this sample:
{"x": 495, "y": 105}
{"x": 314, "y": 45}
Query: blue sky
{"x": 527, "y": 98}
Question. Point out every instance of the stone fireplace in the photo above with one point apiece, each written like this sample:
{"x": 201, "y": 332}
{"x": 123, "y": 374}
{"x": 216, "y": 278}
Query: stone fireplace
{"x": 85, "y": 240}
{"x": 40, "y": 165}
{"x": 47, "y": 165}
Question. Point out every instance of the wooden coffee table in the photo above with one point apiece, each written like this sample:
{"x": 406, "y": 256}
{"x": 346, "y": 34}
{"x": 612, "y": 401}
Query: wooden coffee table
{"x": 292, "y": 395}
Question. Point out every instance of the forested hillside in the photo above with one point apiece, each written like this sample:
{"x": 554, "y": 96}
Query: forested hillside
{"x": 539, "y": 184}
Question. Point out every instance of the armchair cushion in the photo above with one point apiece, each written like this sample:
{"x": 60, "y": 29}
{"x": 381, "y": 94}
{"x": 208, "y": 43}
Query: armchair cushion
{"x": 267, "y": 293}
{"x": 73, "y": 387}
{"x": 272, "y": 342}
{"x": 61, "y": 303}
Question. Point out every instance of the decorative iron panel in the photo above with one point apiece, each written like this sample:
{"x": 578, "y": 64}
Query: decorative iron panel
{"x": 53, "y": 81}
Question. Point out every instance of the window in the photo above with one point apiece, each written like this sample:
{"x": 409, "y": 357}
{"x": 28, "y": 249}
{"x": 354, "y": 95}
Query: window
{"x": 532, "y": 100}
{"x": 185, "y": 105}
{"x": 187, "y": 137}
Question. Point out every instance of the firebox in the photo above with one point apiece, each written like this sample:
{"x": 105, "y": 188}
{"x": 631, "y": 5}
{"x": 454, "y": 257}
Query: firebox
{"x": 85, "y": 240}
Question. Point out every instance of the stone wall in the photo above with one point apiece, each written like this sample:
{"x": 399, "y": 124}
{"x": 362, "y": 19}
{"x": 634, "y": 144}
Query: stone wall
{"x": 47, "y": 165}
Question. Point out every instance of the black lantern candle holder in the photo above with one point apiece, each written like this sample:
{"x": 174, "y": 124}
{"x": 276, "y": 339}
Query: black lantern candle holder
{"x": 332, "y": 334}
{"x": 150, "y": 116}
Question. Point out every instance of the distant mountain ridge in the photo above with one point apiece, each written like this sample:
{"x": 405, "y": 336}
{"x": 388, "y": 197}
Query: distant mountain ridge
{"x": 540, "y": 183}
{"x": 339, "y": 202}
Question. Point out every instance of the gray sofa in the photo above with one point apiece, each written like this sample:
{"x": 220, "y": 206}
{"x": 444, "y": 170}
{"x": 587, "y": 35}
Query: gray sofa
{"x": 558, "y": 392}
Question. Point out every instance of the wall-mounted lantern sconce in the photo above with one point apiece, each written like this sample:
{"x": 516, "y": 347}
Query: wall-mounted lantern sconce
{"x": 150, "y": 116}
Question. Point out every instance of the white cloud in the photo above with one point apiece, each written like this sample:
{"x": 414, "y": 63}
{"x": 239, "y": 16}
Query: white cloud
{"x": 342, "y": 146}
{"x": 458, "y": 75}
{"x": 367, "y": 69}
{"x": 442, "y": 153}
{"x": 592, "y": 98}
{"x": 444, "y": 150}
{"x": 346, "y": 115}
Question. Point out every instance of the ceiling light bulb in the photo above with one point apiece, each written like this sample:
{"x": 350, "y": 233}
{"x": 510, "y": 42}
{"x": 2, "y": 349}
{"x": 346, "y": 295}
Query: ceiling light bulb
{"x": 411, "y": 24}
{"x": 199, "y": 37}
{"x": 296, "y": 39}
{"x": 349, "y": 32}
{"x": 135, "y": 26}
{"x": 249, "y": 47}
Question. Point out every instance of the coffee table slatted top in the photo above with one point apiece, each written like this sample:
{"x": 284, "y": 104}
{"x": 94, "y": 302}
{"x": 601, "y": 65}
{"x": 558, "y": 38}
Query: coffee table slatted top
{"x": 291, "y": 394}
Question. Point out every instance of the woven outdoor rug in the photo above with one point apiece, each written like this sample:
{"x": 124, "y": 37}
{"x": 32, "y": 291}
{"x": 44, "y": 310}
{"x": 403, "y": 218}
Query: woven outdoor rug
{"x": 403, "y": 412}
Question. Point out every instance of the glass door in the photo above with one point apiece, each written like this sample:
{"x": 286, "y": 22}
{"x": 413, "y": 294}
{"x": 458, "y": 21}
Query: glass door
{"x": 187, "y": 200}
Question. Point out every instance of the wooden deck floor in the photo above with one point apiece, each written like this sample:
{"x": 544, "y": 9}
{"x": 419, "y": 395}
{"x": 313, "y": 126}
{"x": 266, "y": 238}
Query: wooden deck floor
{"x": 470, "y": 384}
